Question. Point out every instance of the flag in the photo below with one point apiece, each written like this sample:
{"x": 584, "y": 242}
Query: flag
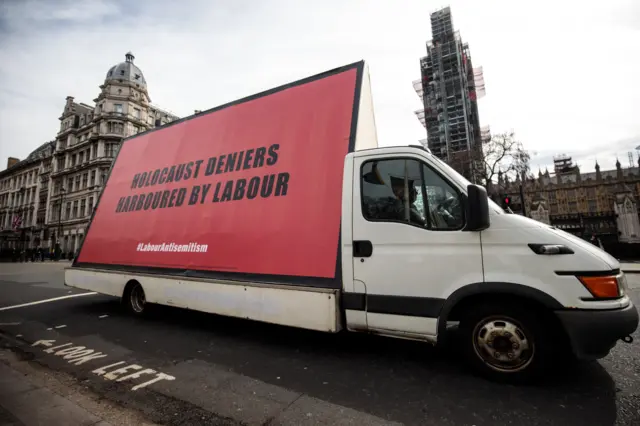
{"x": 17, "y": 222}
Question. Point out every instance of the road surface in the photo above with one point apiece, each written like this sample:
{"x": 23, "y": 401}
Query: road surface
{"x": 197, "y": 368}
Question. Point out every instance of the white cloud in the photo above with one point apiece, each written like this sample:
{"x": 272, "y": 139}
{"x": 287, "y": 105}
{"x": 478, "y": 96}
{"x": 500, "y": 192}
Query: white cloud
{"x": 561, "y": 74}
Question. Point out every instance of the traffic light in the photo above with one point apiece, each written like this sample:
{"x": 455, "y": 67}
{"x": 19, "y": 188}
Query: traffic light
{"x": 506, "y": 201}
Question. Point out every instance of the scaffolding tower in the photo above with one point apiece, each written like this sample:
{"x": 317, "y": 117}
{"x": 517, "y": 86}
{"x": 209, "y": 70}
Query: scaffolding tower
{"x": 449, "y": 88}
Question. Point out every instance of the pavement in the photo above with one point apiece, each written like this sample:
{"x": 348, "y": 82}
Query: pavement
{"x": 630, "y": 267}
{"x": 180, "y": 367}
{"x": 34, "y": 396}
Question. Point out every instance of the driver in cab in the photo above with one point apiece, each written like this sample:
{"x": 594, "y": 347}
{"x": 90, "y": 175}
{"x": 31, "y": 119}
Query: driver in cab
{"x": 401, "y": 206}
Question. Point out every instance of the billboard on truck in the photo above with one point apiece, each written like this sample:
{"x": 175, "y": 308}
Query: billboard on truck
{"x": 251, "y": 189}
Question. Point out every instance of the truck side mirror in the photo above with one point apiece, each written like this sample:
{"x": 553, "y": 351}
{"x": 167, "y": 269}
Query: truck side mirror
{"x": 477, "y": 208}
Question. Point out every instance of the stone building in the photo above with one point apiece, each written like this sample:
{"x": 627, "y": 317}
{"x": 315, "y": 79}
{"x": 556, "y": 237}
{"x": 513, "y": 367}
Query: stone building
{"x": 71, "y": 174}
{"x": 23, "y": 197}
{"x": 601, "y": 203}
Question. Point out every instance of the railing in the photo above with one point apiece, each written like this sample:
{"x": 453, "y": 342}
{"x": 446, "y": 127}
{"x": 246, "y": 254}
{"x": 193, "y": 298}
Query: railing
{"x": 114, "y": 114}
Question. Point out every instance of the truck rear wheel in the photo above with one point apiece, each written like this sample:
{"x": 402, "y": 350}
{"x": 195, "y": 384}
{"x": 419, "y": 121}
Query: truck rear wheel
{"x": 134, "y": 298}
{"x": 507, "y": 342}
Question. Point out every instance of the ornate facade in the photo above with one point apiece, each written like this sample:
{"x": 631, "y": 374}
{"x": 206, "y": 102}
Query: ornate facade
{"x": 601, "y": 203}
{"x": 69, "y": 174}
{"x": 24, "y": 188}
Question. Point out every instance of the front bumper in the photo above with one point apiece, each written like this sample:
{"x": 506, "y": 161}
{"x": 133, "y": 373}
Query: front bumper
{"x": 593, "y": 333}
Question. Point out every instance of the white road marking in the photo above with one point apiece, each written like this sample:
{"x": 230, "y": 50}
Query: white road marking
{"x": 103, "y": 316}
{"x": 49, "y": 343}
{"x": 60, "y": 326}
{"x": 77, "y": 355}
{"x": 55, "y": 299}
{"x": 10, "y": 323}
{"x": 100, "y": 371}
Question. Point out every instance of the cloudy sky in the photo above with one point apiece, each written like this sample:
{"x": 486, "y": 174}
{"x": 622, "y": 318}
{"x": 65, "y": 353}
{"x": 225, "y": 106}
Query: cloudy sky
{"x": 562, "y": 74}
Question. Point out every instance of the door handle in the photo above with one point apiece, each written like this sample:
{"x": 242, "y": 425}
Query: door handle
{"x": 362, "y": 248}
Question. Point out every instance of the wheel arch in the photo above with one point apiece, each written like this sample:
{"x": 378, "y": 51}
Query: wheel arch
{"x": 129, "y": 285}
{"x": 454, "y": 305}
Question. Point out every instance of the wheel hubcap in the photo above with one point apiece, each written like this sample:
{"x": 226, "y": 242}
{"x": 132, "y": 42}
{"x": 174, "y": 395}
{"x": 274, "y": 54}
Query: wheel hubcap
{"x": 503, "y": 344}
{"x": 137, "y": 299}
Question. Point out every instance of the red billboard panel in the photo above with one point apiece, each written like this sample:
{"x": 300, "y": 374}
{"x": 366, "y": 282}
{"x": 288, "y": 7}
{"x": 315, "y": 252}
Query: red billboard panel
{"x": 253, "y": 188}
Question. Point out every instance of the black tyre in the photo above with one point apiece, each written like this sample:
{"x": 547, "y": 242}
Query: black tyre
{"x": 134, "y": 299}
{"x": 508, "y": 342}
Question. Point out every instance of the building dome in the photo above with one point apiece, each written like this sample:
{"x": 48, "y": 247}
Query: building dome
{"x": 126, "y": 71}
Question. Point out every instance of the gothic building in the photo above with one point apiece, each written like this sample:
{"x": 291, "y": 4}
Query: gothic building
{"x": 601, "y": 203}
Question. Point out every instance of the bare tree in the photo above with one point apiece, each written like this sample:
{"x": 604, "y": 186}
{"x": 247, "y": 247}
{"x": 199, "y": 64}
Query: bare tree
{"x": 502, "y": 152}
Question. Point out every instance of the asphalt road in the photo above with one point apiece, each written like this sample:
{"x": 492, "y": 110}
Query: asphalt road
{"x": 398, "y": 381}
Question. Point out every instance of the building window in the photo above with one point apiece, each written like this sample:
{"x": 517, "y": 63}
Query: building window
{"x": 68, "y": 211}
{"x": 70, "y": 184}
{"x": 593, "y": 206}
{"x": 83, "y": 207}
{"x": 85, "y": 180}
{"x": 117, "y": 108}
{"x": 136, "y": 112}
{"x": 111, "y": 149}
{"x": 116, "y": 128}
{"x": 93, "y": 178}
{"x": 90, "y": 205}
{"x": 408, "y": 191}
{"x": 75, "y": 209}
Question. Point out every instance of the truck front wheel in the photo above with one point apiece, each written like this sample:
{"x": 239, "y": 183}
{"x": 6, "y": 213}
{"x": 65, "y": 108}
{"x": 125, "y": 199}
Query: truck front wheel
{"x": 507, "y": 342}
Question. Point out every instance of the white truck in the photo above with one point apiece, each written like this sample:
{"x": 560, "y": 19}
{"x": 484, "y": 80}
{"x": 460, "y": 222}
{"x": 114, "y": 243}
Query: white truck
{"x": 335, "y": 233}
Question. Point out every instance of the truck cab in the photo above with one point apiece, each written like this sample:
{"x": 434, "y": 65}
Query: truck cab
{"x": 423, "y": 248}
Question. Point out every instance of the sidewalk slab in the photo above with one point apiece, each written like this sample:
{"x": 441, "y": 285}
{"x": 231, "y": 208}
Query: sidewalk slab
{"x": 8, "y": 419}
{"x": 32, "y": 405}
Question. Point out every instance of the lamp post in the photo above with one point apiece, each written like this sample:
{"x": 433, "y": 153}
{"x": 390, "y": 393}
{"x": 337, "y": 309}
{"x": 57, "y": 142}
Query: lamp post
{"x": 58, "y": 249}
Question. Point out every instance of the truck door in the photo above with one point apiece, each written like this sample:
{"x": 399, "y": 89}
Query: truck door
{"x": 409, "y": 247}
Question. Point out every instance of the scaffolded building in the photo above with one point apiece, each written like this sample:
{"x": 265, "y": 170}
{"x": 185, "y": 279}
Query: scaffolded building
{"x": 449, "y": 90}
